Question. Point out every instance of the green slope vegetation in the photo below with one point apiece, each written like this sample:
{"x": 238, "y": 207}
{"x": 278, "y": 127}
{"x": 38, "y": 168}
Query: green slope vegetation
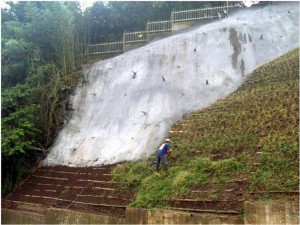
{"x": 252, "y": 134}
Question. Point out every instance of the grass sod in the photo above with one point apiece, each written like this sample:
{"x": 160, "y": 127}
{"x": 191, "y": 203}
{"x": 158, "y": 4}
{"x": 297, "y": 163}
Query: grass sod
{"x": 221, "y": 143}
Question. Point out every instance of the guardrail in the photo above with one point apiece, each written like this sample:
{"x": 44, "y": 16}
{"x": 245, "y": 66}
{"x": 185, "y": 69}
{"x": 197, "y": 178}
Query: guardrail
{"x": 264, "y": 3}
{"x": 159, "y": 26}
{"x": 135, "y": 37}
{"x": 166, "y": 26}
{"x": 198, "y": 14}
{"x": 105, "y": 48}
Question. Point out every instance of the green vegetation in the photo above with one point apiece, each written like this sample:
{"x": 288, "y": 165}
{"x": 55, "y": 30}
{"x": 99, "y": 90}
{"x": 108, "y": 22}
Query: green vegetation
{"x": 38, "y": 64}
{"x": 252, "y": 134}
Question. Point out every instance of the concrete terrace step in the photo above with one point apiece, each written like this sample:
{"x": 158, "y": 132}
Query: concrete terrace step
{"x": 68, "y": 181}
{"x": 24, "y": 206}
{"x": 55, "y": 186}
{"x": 85, "y": 199}
{"x": 78, "y": 169}
{"x": 206, "y": 211}
{"x": 70, "y": 193}
{"x": 61, "y": 174}
{"x": 233, "y": 185}
{"x": 202, "y": 196}
{"x": 207, "y": 204}
{"x": 83, "y": 189}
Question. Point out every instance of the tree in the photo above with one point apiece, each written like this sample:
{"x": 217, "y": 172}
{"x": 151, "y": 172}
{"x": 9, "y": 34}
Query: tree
{"x": 38, "y": 63}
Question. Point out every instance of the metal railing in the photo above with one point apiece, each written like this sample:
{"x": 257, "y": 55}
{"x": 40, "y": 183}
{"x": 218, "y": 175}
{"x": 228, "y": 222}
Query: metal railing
{"x": 106, "y": 48}
{"x": 159, "y": 26}
{"x": 233, "y": 4}
{"x": 198, "y": 14}
{"x": 165, "y": 26}
{"x": 135, "y": 37}
{"x": 264, "y": 3}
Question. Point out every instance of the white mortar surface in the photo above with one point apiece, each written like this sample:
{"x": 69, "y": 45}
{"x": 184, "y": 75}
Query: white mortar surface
{"x": 108, "y": 124}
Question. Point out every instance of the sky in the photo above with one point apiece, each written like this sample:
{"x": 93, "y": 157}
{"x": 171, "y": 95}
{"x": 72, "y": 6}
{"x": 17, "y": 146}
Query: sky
{"x": 84, "y": 3}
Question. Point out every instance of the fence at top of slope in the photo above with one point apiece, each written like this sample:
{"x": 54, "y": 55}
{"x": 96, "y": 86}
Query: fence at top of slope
{"x": 157, "y": 27}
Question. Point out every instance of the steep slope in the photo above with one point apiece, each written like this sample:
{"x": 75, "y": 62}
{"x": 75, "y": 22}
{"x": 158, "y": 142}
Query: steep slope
{"x": 244, "y": 146}
{"x": 126, "y": 105}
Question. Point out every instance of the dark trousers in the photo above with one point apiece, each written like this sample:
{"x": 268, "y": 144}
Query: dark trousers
{"x": 163, "y": 159}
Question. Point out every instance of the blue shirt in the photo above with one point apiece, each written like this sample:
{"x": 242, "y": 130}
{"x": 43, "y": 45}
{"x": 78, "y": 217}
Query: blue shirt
{"x": 163, "y": 149}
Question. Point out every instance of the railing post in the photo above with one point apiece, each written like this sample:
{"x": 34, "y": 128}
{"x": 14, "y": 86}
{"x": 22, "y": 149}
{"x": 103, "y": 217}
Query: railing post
{"x": 227, "y": 7}
{"x": 88, "y": 53}
{"x": 123, "y": 41}
{"x": 147, "y": 28}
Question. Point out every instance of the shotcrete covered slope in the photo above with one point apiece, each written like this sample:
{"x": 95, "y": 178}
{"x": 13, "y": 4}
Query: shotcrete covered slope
{"x": 126, "y": 105}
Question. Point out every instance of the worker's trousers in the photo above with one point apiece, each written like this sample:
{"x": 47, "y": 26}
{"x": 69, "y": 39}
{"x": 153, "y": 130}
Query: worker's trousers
{"x": 163, "y": 159}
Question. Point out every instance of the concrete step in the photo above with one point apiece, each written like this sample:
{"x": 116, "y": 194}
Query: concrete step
{"x": 79, "y": 175}
{"x": 207, "y": 204}
{"x": 24, "y": 206}
{"x": 82, "y": 189}
{"x": 71, "y": 181}
{"x": 103, "y": 169}
{"x": 207, "y": 211}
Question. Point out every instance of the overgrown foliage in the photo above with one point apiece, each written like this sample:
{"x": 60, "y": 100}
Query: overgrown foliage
{"x": 38, "y": 63}
{"x": 252, "y": 134}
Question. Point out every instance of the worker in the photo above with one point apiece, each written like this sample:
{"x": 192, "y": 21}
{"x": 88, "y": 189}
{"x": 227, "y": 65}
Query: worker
{"x": 161, "y": 154}
{"x": 219, "y": 15}
{"x": 225, "y": 14}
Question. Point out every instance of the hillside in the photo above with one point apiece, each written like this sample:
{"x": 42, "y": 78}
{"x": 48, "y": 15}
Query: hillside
{"x": 242, "y": 147}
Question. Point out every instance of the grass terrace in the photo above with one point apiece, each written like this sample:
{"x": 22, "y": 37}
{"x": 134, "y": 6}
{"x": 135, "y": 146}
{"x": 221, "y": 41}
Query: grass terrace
{"x": 251, "y": 135}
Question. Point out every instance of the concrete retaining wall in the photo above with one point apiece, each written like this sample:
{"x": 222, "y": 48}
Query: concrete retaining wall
{"x": 182, "y": 25}
{"x": 153, "y": 36}
{"x": 9, "y": 216}
{"x": 143, "y": 216}
{"x": 63, "y": 216}
{"x": 177, "y": 26}
{"x": 271, "y": 212}
{"x": 130, "y": 46}
{"x": 284, "y": 212}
